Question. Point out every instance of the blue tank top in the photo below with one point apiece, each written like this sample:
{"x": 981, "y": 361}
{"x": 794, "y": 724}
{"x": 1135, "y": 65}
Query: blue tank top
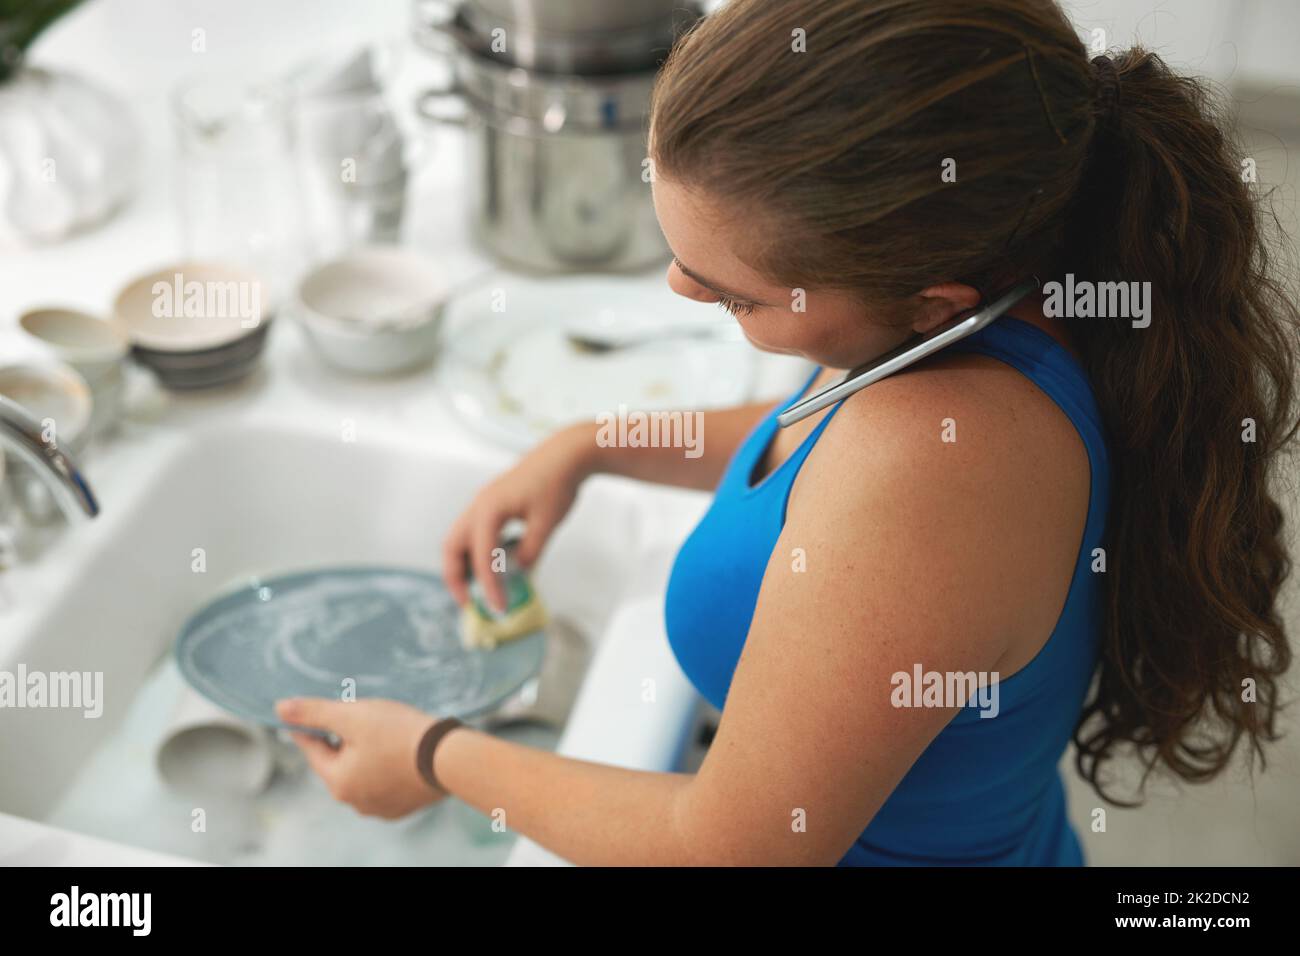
{"x": 985, "y": 791}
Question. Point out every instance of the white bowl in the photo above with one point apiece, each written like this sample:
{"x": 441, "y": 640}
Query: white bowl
{"x": 374, "y": 311}
{"x": 77, "y": 337}
{"x": 96, "y": 348}
{"x": 191, "y": 306}
{"x": 53, "y": 391}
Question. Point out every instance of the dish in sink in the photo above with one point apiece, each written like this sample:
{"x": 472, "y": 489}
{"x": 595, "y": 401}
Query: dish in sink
{"x": 368, "y": 632}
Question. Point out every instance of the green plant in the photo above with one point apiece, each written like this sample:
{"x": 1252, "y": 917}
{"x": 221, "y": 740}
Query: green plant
{"x": 21, "y": 22}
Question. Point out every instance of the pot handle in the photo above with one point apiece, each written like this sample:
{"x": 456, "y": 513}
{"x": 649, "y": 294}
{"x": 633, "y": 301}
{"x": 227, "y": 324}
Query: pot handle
{"x": 445, "y": 106}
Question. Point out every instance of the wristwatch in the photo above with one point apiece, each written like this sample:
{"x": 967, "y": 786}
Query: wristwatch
{"x": 428, "y": 744}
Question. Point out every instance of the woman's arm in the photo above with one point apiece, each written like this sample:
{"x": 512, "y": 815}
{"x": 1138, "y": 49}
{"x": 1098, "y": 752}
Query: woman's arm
{"x": 589, "y": 813}
{"x": 542, "y": 487}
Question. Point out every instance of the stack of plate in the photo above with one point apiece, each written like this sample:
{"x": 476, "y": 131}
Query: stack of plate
{"x": 196, "y": 325}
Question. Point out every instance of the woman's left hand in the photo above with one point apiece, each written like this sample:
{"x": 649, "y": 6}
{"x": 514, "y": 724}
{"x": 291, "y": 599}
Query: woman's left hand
{"x": 374, "y": 767}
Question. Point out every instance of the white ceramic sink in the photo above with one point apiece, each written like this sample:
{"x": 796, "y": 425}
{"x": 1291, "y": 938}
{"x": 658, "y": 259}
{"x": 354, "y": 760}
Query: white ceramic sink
{"x": 266, "y": 496}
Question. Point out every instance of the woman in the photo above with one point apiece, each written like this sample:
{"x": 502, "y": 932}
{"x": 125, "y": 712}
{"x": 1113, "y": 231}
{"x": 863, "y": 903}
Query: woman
{"x": 1053, "y": 499}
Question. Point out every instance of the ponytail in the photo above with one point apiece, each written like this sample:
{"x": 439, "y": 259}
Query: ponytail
{"x": 1198, "y": 402}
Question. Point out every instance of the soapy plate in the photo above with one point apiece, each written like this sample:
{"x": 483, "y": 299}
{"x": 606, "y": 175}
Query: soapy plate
{"x": 347, "y": 633}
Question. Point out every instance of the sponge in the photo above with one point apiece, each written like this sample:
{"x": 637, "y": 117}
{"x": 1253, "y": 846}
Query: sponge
{"x": 483, "y": 628}
{"x": 480, "y": 631}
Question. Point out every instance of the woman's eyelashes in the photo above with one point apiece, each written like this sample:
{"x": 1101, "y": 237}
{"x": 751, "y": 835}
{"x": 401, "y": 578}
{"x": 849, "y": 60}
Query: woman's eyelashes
{"x": 735, "y": 306}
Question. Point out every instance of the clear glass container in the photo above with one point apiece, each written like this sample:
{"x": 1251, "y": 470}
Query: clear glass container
{"x": 239, "y": 197}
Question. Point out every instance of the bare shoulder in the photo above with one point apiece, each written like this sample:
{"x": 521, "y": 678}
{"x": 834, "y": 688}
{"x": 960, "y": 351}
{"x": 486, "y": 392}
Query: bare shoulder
{"x": 976, "y": 469}
{"x": 962, "y": 423}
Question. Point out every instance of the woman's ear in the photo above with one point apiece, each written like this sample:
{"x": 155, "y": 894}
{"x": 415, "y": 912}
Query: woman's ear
{"x": 941, "y": 302}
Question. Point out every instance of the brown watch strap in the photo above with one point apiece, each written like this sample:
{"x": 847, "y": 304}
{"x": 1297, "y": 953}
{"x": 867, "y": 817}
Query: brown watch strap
{"x": 428, "y": 744}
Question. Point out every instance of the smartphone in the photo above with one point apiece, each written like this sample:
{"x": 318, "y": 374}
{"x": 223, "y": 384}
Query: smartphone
{"x": 908, "y": 353}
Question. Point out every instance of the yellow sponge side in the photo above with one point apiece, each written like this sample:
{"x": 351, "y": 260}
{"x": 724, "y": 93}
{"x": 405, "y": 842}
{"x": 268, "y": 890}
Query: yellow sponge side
{"x": 479, "y": 632}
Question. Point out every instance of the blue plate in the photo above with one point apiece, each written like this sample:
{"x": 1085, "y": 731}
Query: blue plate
{"x": 393, "y": 632}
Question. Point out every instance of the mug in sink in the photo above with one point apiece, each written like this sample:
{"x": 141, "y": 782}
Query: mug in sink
{"x": 374, "y": 311}
{"x": 205, "y": 749}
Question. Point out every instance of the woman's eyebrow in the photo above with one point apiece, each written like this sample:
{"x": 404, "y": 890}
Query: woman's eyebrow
{"x": 713, "y": 286}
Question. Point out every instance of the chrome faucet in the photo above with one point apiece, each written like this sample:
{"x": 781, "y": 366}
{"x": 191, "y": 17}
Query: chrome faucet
{"x": 21, "y": 433}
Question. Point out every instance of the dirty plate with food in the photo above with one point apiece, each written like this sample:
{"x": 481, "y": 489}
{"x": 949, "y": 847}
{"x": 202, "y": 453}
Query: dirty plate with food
{"x": 527, "y": 356}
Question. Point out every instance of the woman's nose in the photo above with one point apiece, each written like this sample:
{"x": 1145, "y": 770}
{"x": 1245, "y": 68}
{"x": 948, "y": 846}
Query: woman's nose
{"x": 685, "y": 286}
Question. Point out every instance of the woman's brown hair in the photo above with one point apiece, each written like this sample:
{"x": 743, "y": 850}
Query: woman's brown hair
{"x": 837, "y": 120}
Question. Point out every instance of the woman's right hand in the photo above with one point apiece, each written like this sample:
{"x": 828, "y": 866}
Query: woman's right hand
{"x": 539, "y": 490}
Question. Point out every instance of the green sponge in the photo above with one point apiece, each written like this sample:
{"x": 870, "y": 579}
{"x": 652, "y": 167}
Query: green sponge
{"x": 478, "y": 631}
{"x": 483, "y": 628}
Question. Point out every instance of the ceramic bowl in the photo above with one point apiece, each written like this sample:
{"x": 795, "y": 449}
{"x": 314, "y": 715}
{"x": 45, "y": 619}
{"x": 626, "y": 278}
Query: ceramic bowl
{"x": 195, "y": 325}
{"x": 374, "y": 311}
{"x": 206, "y": 367}
{"x": 96, "y": 348}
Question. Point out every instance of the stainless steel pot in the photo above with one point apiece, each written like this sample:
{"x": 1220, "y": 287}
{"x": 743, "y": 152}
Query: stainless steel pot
{"x": 556, "y": 164}
{"x": 579, "y": 16}
{"x": 588, "y": 37}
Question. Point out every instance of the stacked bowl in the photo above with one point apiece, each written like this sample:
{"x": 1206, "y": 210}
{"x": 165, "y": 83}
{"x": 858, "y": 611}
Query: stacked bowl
{"x": 196, "y": 325}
